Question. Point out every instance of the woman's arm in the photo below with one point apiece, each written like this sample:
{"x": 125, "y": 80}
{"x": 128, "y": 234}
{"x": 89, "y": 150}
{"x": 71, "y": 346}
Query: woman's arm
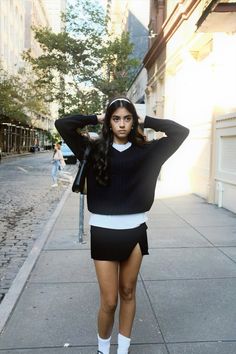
{"x": 175, "y": 135}
{"x": 70, "y": 129}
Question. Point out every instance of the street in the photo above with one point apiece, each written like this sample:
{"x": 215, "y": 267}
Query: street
{"x": 26, "y": 203}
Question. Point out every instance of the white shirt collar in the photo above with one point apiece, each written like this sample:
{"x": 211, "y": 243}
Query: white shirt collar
{"x": 122, "y": 147}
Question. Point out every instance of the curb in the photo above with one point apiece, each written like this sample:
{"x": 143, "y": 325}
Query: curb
{"x": 10, "y": 156}
{"x": 11, "y": 298}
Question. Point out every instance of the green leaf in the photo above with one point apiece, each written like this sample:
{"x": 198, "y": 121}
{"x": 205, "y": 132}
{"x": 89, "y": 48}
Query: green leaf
{"x": 82, "y": 65}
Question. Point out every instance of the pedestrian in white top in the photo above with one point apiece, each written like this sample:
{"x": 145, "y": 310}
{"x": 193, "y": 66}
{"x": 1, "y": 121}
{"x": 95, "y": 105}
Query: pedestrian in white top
{"x": 58, "y": 163}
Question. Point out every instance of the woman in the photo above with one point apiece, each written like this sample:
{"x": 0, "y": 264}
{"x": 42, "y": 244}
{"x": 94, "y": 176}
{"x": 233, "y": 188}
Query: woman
{"x": 121, "y": 179}
{"x": 58, "y": 163}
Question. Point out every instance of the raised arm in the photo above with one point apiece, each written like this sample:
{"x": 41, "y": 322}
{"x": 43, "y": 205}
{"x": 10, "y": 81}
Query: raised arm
{"x": 175, "y": 135}
{"x": 70, "y": 129}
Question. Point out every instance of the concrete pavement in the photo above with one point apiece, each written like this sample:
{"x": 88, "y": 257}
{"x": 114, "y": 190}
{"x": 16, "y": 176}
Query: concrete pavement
{"x": 185, "y": 296}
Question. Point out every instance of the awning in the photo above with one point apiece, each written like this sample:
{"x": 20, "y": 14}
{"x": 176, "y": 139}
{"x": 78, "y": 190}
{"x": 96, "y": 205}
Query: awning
{"x": 218, "y": 17}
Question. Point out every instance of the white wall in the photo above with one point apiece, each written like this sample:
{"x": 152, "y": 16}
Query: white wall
{"x": 225, "y": 164}
{"x": 12, "y": 17}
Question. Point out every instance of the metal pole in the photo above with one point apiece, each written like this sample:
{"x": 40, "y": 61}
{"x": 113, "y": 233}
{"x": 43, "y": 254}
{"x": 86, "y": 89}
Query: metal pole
{"x": 81, "y": 219}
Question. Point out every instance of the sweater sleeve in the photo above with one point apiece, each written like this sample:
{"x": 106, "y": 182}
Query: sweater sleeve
{"x": 175, "y": 135}
{"x": 70, "y": 129}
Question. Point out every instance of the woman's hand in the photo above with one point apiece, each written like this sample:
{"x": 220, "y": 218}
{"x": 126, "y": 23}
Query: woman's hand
{"x": 100, "y": 118}
{"x": 141, "y": 119}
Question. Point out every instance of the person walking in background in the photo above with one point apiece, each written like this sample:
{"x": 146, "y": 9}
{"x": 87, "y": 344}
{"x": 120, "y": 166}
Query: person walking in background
{"x": 122, "y": 172}
{"x": 57, "y": 163}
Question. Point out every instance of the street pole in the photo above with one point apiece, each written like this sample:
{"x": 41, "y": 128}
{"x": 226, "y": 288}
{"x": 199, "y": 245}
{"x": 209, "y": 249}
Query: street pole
{"x": 81, "y": 219}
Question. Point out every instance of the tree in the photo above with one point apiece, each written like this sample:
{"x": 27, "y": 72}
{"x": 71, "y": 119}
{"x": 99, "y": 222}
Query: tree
{"x": 10, "y": 99}
{"x": 32, "y": 95}
{"x": 81, "y": 67}
{"x": 20, "y": 98}
{"x": 120, "y": 67}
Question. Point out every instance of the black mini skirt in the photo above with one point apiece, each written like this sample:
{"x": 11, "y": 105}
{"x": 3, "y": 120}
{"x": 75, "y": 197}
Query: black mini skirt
{"x": 117, "y": 245}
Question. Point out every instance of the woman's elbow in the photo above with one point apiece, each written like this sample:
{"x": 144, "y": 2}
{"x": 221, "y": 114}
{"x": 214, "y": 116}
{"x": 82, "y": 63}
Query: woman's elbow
{"x": 57, "y": 123}
{"x": 186, "y": 132}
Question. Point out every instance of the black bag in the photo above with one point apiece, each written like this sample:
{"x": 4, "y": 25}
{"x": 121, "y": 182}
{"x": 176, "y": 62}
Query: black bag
{"x": 79, "y": 184}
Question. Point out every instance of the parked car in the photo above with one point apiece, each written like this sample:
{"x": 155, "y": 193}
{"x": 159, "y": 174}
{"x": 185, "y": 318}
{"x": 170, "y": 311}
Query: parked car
{"x": 34, "y": 148}
{"x": 68, "y": 155}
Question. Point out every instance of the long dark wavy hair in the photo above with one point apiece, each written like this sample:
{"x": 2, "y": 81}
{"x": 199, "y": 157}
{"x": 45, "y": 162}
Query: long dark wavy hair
{"x": 101, "y": 147}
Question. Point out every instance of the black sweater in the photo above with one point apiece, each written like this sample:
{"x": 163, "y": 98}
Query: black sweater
{"x": 133, "y": 172}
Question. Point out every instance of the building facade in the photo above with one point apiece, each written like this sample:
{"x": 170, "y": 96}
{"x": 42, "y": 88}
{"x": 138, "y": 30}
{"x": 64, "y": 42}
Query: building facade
{"x": 37, "y": 16}
{"x": 16, "y": 35}
{"x": 191, "y": 77}
{"x": 54, "y": 10}
{"x": 132, "y": 16}
{"x": 12, "y": 30}
{"x": 116, "y": 15}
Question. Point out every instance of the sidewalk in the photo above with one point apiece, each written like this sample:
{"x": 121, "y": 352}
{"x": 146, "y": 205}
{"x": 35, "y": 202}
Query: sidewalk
{"x": 185, "y": 296}
{"x": 5, "y": 157}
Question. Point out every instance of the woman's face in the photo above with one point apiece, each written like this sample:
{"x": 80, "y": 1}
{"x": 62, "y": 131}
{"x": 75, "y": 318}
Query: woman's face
{"x": 121, "y": 124}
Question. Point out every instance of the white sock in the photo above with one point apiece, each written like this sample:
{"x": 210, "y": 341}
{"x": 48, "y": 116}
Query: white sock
{"x": 104, "y": 345}
{"x": 123, "y": 344}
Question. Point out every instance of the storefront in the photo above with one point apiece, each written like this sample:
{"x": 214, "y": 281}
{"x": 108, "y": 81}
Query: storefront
{"x": 20, "y": 139}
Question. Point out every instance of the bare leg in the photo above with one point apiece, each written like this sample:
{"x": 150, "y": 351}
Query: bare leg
{"x": 107, "y": 275}
{"x": 127, "y": 288}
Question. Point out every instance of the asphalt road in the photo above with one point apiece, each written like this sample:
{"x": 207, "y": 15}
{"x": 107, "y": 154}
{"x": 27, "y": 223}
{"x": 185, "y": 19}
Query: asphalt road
{"x": 26, "y": 202}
